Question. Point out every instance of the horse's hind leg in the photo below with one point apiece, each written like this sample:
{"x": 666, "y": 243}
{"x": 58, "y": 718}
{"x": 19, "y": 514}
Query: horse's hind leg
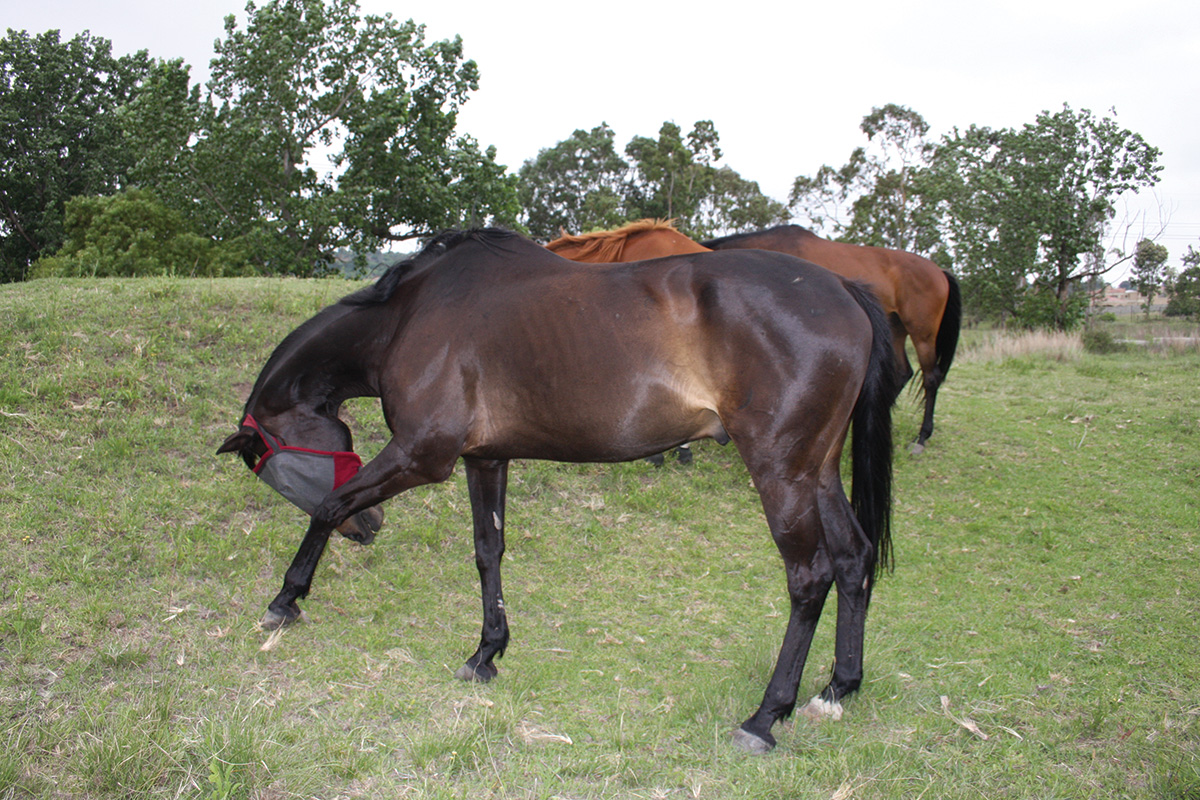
{"x": 809, "y": 576}
{"x": 853, "y": 559}
{"x": 486, "y": 483}
{"x": 931, "y": 379}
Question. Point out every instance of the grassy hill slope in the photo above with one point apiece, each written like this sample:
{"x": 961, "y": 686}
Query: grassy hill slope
{"x": 1040, "y": 636}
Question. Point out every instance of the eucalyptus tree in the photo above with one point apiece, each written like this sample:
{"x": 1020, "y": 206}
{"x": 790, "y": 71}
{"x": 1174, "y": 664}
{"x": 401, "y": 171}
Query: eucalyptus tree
{"x": 876, "y": 197}
{"x": 578, "y": 185}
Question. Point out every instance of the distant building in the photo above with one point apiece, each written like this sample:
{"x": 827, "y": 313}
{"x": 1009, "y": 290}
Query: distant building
{"x": 1116, "y": 296}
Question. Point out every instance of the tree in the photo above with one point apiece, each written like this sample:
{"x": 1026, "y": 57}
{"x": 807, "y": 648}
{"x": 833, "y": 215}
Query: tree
{"x": 1183, "y": 291}
{"x": 59, "y": 135}
{"x": 578, "y": 185}
{"x": 583, "y": 184}
{"x": 1149, "y": 270}
{"x": 734, "y": 205}
{"x": 673, "y": 176}
{"x": 1026, "y": 210}
{"x": 875, "y": 198}
{"x": 322, "y": 128}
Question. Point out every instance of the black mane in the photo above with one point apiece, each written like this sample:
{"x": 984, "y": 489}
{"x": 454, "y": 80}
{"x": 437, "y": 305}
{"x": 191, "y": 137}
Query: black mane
{"x": 383, "y": 289}
{"x": 712, "y": 244}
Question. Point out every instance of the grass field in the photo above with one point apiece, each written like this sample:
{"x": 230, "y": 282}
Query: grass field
{"x": 1040, "y": 636}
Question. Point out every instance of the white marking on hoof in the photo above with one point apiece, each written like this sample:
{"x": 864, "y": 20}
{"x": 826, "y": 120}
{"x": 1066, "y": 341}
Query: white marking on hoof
{"x": 819, "y": 709}
{"x": 750, "y": 743}
{"x": 916, "y": 449}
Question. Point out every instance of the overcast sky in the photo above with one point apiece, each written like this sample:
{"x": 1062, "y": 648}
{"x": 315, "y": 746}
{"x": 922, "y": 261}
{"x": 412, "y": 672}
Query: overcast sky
{"x": 786, "y": 84}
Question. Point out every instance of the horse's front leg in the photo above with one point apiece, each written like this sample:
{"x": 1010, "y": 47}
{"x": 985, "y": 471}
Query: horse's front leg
{"x": 298, "y": 578}
{"x": 387, "y": 475}
{"x": 487, "y": 482}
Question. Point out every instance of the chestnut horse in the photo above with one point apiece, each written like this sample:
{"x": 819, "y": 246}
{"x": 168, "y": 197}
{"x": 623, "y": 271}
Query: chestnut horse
{"x": 487, "y": 347}
{"x": 922, "y": 300}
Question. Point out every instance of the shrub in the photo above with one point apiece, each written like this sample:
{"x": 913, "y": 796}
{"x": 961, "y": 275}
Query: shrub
{"x": 1101, "y": 341}
{"x": 132, "y": 234}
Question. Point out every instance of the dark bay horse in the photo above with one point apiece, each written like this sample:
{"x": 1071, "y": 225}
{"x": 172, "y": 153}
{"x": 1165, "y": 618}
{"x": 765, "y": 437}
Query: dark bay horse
{"x": 488, "y": 347}
{"x": 922, "y": 299}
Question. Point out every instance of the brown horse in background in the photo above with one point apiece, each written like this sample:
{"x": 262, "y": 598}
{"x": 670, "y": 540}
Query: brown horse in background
{"x": 922, "y": 300}
{"x": 486, "y": 347}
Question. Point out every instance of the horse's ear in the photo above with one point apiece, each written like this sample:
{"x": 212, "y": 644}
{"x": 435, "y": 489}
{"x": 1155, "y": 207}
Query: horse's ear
{"x": 237, "y": 442}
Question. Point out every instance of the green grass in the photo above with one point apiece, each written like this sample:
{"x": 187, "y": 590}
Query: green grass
{"x": 1045, "y": 595}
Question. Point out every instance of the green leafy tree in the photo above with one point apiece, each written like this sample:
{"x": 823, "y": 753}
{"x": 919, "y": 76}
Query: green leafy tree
{"x": 583, "y": 184}
{"x": 59, "y": 135}
{"x": 1027, "y": 210}
{"x": 1183, "y": 291}
{"x": 734, "y": 205}
{"x": 159, "y": 123}
{"x": 132, "y": 234}
{"x": 1149, "y": 270}
{"x": 673, "y": 174}
{"x": 324, "y": 128}
{"x": 876, "y": 197}
{"x": 578, "y": 185}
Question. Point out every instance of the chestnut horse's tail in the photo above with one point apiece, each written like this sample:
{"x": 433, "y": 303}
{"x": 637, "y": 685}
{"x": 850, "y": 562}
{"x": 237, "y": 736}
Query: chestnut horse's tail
{"x": 947, "y": 335}
{"x": 871, "y": 445}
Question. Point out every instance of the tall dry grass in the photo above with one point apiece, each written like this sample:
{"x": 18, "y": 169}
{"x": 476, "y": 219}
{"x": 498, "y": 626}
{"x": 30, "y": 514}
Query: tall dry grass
{"x": 1002, "y": 345}
{"x": 1158, "y": 337}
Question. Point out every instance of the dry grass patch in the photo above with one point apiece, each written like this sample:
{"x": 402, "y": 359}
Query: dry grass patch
{"x": 1003, "y": 345}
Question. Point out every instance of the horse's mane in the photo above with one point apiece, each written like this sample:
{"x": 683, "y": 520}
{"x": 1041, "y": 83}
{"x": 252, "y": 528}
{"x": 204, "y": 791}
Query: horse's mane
{"x": 713, "y": 244}
{"x": 382, "y": 290}
{"x": 607, "y": 246}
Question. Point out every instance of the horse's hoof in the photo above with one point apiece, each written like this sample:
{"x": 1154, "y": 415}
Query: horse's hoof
{"x": 472, "y": 675}
{"x": 916, "y": 448}
{"x": 277, "y": 619}
{"x": 362, "y": 526}
{"x": 752, "y": 744}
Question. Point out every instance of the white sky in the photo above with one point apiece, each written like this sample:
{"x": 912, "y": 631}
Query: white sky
{"x": 786, "y": 84}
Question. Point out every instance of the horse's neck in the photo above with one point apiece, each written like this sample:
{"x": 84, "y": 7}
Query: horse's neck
{"x": 331, "y": 362}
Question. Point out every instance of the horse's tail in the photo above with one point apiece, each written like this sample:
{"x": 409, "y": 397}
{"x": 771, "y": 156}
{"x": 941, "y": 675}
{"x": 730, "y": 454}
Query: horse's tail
{"x": 947, "y": 335}
{"x": 871, "y": 446}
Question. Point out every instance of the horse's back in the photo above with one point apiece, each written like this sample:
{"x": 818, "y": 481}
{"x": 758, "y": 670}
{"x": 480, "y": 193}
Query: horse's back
{"x": 611, "y": 362}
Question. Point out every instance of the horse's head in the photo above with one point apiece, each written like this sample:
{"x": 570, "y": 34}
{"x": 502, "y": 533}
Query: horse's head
{"x": 304, "y": 475}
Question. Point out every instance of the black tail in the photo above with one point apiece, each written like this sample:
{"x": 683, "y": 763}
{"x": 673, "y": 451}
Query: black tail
{"x": 871, "y": 447}
{"x": 947, "y": 335}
